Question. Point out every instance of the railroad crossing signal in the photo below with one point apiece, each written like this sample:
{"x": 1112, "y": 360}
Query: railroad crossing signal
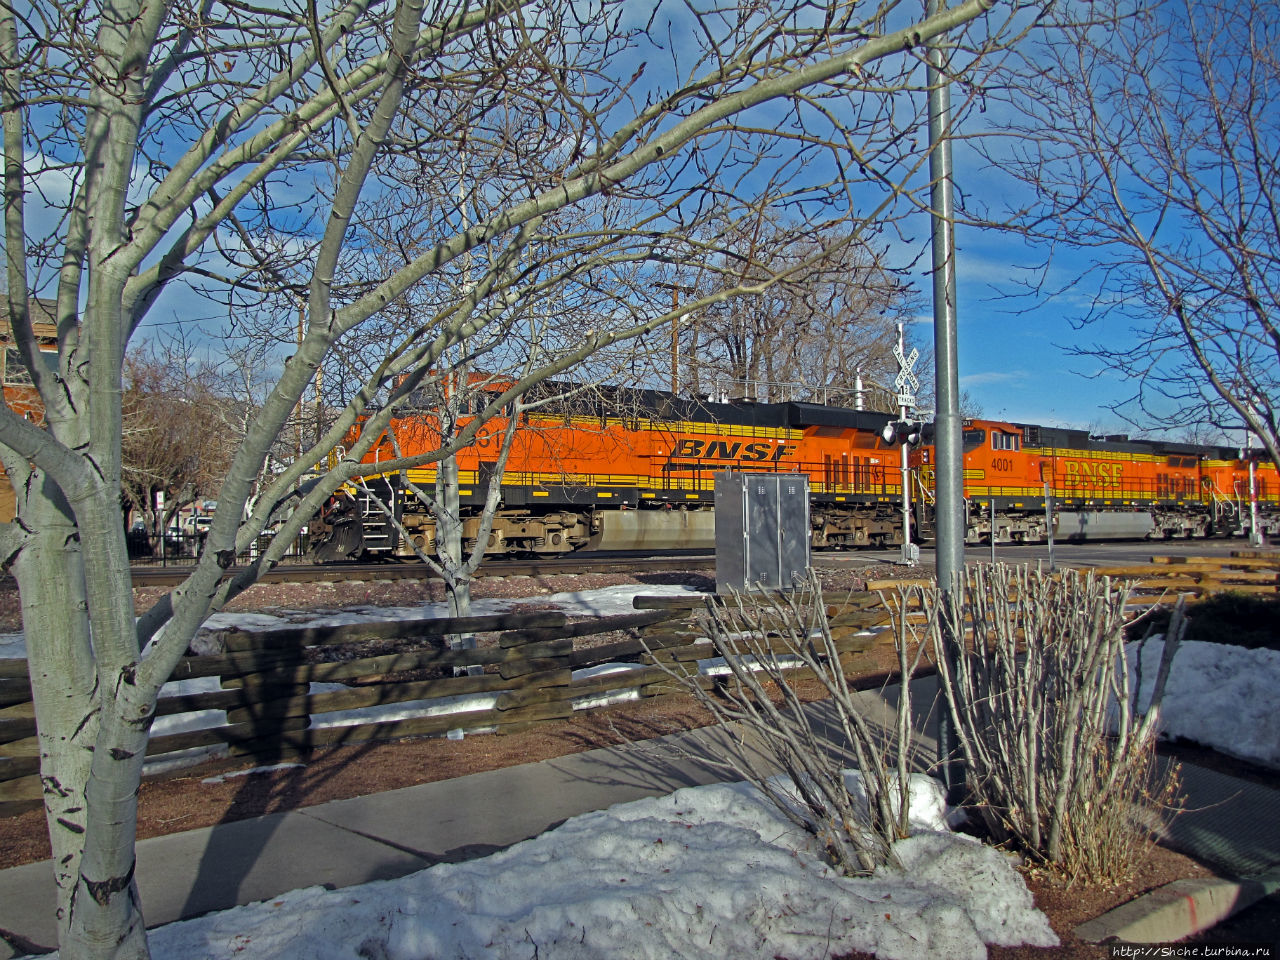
{"x": 909, "y": 432}
{"x": 906, "y": 381}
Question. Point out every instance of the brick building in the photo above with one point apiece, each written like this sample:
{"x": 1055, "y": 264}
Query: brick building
{"x": 20, "y": 394}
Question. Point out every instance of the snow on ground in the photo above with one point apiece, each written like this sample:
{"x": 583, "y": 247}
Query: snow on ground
{"x": 1224, "y": 697}
{"x": 606, "y": 670}
{"x": 196, "y": 719}
{"x": 13, "y": 646}
{"x": 608, "y": 601}
{"x": 719, "y": 666}
{"x": 265, "y": 768}
{"x": 404, "y": 710}
{"x": 601, "y": 602}
{"x": 705, "y": 872}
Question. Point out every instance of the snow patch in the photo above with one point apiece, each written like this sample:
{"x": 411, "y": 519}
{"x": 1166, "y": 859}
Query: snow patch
{"x": 270, "y": 768}
{"x": 1219, "y": 695}
{"x": 605, "y": 699}
{"x": 13, "y": 646}
{"x": 605, "y": 670}
{"x": 388, "y": 712}
{"x": 719, "y": 666}
{"x": 704, "y": 873}
{"x": 196, "y": 719}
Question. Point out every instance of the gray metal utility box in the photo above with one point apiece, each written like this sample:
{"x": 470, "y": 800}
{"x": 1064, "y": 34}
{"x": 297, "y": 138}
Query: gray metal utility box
{"x": 762, "y": 530}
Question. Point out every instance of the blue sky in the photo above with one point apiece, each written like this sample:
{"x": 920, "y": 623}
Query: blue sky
{"x": 1014, "y": 353}
{"x": 1013, "y": 356}
{"x": 1015, "y": 342}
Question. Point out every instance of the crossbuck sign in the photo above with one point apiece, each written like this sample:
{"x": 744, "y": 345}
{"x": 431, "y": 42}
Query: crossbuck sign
{"x": 906, "y": 381}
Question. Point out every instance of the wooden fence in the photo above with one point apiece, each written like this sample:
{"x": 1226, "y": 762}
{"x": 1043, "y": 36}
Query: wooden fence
{"x": 1245, "y": 571}
{"x": 286, "y": 692}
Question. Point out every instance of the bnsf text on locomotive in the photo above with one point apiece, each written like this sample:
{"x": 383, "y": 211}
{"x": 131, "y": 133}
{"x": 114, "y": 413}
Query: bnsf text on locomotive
{"x": 688, "y": 448}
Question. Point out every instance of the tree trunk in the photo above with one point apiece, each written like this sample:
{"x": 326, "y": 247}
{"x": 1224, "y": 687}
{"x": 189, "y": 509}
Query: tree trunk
{"x": 457, "y": 579}
{"x": 62, "y": 675}
{"x": 97, "y": 916}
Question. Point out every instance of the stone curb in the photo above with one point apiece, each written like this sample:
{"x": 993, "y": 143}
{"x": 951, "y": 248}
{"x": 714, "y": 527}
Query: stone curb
{"x": 1173, "y": 912}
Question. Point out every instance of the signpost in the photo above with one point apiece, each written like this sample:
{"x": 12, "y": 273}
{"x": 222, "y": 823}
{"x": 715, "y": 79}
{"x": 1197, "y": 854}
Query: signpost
{"x": 906, "y": 384}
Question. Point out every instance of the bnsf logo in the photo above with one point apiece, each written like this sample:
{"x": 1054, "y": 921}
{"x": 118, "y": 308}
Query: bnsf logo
{"x": 1101, "y": 474}
{"x": 725, "y": 450}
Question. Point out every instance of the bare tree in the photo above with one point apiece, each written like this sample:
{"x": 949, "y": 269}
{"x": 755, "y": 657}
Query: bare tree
{"x": 1057, "y": 756}
{"x": 246, "y": 151}
{"x": 454, "y": 544}
{"x": 1150, "y": 147}
{"x": 449, "y": 538}
{"x": 174, "y": 439}
{"x": 847, "y": 776}
{"x": 831, "y": 317}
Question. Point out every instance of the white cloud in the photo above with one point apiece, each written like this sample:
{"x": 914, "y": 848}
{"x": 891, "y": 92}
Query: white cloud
{"x": 993, "y": 376}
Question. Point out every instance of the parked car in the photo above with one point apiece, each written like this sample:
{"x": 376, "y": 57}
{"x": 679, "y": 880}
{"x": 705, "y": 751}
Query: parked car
{"x": 198, "y": 525}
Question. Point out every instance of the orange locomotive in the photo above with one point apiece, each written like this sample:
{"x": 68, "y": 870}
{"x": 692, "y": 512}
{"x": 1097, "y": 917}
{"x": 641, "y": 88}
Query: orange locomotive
{"x": 637, "y": 473}
{"x": 1107, "y": 487}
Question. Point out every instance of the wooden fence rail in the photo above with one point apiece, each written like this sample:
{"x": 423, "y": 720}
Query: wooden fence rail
{"x": 1245, "y": 571}
{"x": 521, "y": 674}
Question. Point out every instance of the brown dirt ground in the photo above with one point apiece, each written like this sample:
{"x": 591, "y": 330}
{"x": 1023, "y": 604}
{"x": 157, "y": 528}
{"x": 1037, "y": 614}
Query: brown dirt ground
{"x": 183, "y": 801}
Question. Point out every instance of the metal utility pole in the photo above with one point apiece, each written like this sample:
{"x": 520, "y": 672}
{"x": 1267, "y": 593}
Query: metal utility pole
{"x": 690, "y": 293}
{"x": 907, "y": 384}
{"x": 1255, "y": 535}
{"x": 991, "y": 510}
{"x": 950, "y": 467}
{"x": 1048, "y": 522}
{"x": 675, "y": 339}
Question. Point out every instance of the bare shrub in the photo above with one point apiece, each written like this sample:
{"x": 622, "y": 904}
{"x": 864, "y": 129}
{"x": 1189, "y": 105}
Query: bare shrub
{"x": 1040, "y": 694}
{"x": 767, "y": 640}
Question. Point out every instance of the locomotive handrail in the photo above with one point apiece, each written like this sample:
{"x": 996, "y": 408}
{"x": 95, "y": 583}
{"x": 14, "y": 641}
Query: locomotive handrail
{"x": 923, "y": 492}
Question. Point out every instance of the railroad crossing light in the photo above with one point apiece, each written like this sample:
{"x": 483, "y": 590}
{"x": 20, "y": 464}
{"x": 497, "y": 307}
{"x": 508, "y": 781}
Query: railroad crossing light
{"x": 909, "y": 432}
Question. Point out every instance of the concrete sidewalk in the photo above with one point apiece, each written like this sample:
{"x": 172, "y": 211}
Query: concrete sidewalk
{"x": 1231, "y": 825}
{"x": 376, "y": 837}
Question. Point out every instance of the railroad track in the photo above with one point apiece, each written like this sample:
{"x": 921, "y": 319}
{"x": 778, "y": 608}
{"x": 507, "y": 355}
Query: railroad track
{"x": 168, "y": 576}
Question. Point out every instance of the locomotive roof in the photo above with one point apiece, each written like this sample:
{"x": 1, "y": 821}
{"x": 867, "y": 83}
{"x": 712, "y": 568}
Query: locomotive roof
{"x": 818, "y": 415}
{"x": 1120, "y": 443}
{"x": 664, "y": 405}
{"x": 789, "y": 414}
